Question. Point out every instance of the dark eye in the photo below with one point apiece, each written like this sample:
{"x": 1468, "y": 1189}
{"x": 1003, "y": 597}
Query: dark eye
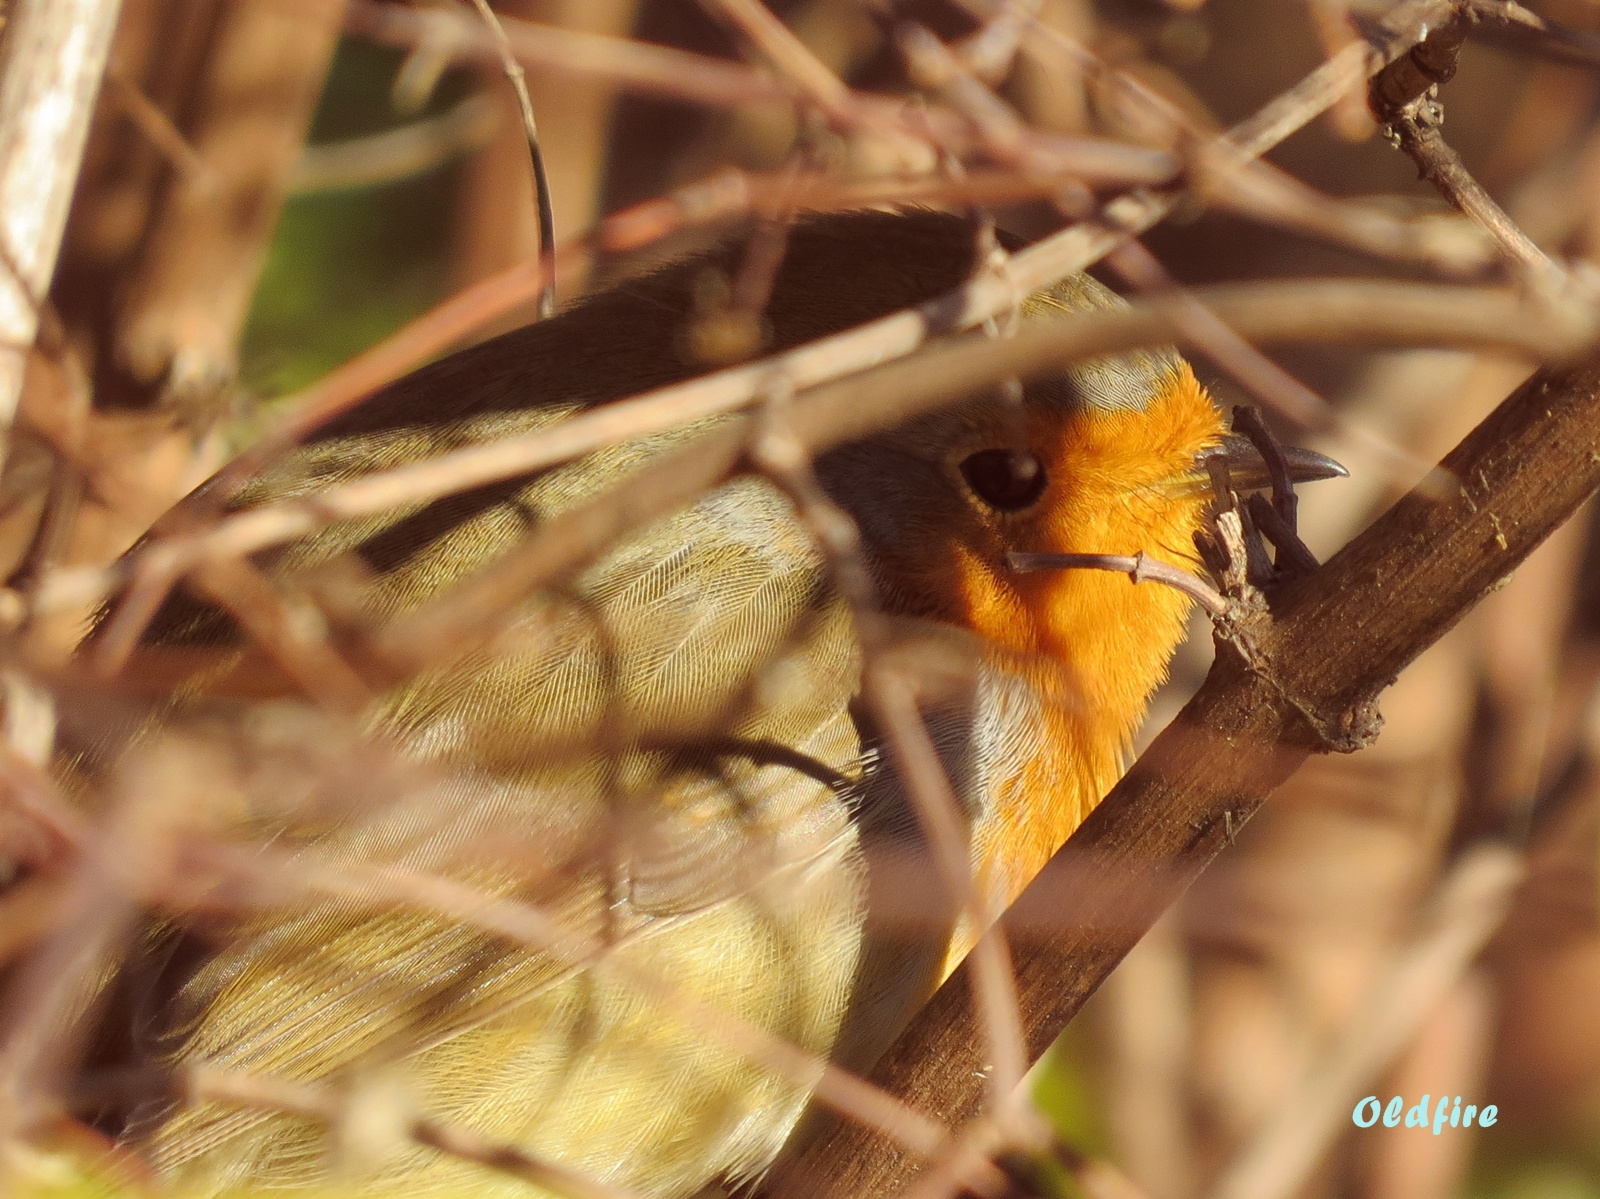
{"x": 1009, "y": 480}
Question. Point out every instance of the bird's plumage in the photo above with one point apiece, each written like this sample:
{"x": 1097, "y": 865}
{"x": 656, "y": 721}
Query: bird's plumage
{"x": 667, "y": 753}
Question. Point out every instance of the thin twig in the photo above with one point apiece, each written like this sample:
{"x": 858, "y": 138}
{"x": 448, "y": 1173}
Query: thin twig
{"x": 1139, "y": 567}
{"x": 935, "y": 68}
{"x": 784, "y": 459}
{"x": 159, "y": 130}
{"x": 1444, "y": 242}
{"x": 546, "y": 249}
{"x": 202, "y": 1082}
{"x": 1404, "y": 99}
{"x": 1417, "y": 134}
{"x": 1248, "y": 365}
{"x": 1350, "y": 118}
{"x": 792, "y": 57}
{"x": 290, "y": 630}
{"x": 1520, "y": 28}
{"x": 990, "y": 52}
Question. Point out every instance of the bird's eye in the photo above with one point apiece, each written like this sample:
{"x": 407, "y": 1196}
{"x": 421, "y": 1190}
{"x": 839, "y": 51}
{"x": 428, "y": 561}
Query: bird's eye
{"x": 1009, "y": 480}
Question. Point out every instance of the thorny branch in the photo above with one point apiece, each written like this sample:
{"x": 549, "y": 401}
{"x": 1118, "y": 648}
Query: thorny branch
{"x": 1404, "y": 98}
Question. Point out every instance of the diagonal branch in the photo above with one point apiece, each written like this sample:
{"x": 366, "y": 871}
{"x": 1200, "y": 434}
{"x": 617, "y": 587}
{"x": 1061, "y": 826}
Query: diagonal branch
{"x": 1302, "y": 678}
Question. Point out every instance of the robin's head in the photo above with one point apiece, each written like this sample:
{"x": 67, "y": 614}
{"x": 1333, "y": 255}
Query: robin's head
{"x": 1099, "y": 459}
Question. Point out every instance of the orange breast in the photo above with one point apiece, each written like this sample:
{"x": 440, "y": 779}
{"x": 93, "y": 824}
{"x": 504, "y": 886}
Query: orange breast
{"x": 1093, "y": 644}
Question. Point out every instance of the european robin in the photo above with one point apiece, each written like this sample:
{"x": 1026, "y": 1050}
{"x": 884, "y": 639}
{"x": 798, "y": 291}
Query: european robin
{"x": 666, "y": 752}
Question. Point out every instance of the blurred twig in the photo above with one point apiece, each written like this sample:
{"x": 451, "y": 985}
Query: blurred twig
{"x": 1465, "y": 911}
{"x": 396, "y": 153}
{"x": 51, "y": 62}
{"x": 793, "y": 58}
{"x": 158, "y": 128}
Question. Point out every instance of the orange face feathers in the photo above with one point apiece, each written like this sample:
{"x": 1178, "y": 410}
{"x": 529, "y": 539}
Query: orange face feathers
{"x": 1112, "y": 446}
{"x": 1118, "y": 486}
{"x": 1098, "y": 642}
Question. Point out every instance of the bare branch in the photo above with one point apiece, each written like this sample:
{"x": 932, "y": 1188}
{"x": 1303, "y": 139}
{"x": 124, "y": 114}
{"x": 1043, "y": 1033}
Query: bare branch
{"x": 1417, "y": 133}
{"x": 396, "y": 153}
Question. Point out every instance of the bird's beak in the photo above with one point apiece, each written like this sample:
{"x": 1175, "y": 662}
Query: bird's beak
{"x": 1247, "y": 469}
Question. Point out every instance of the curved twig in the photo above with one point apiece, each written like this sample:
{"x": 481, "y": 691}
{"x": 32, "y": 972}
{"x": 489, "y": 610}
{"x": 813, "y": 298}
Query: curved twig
{"x": 1140, "y": 567}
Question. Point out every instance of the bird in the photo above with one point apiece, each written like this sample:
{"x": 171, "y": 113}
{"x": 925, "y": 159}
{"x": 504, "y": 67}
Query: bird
{"x": 667, "y": 751}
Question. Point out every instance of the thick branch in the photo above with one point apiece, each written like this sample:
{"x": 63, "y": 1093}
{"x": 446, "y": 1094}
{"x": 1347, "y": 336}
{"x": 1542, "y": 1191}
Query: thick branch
{"x": 1306, "y": 679}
